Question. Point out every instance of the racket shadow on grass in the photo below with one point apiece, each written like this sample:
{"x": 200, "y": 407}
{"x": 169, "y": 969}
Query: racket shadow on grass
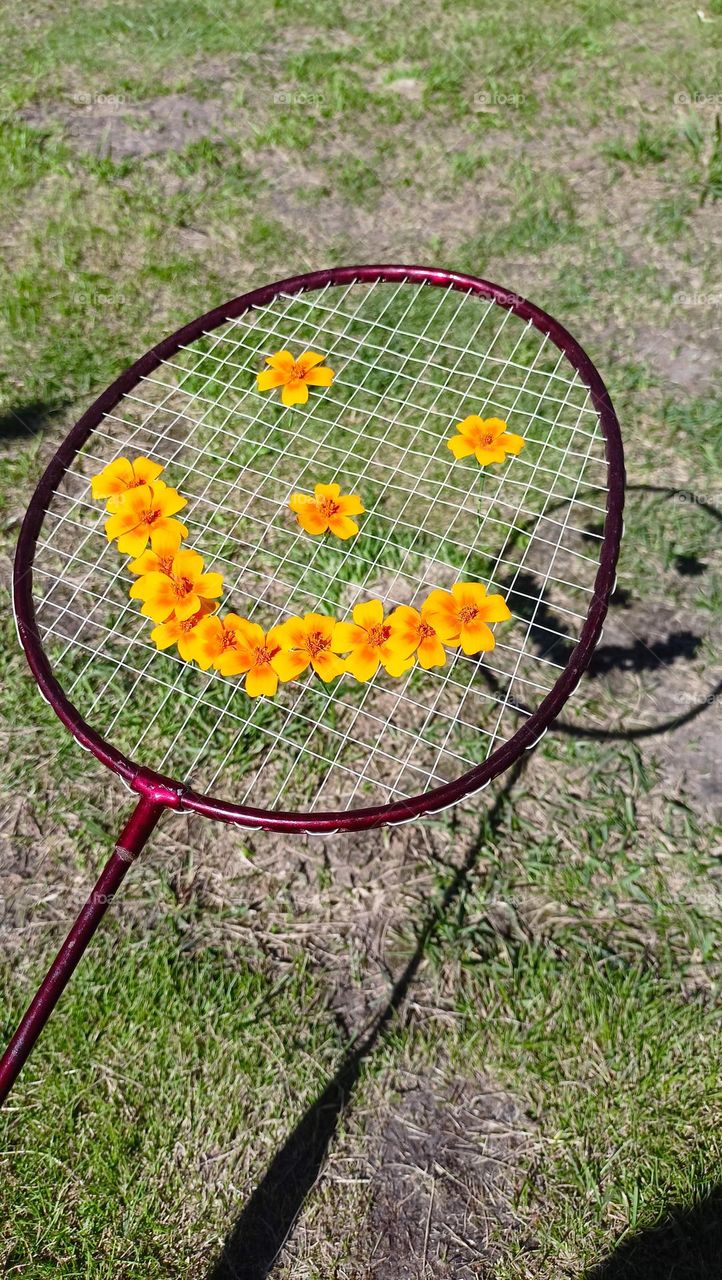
{"x": 686, "y": 1246}
{"x": 265, "y": 1223}
{"x": 633, "y": 653}
{"x": 24, "y": 421}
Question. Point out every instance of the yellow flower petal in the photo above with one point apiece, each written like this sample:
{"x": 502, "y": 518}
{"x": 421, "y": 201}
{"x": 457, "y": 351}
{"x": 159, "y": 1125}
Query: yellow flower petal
{"x": 267, "y": 379}
{"x": 476, "y": 637}
{"x": 488, "y": 455}
{"x": 307, "y": 361}
{"x": 311, "y": 520}
{"x": 396, "y": 666}
{"x": 282, "y": 360}
{"x": 431, "y": 653}
{"x": 342, "y": 526}
{"x": 294, "y": 392}
{"x": 322, "y": 377}
{"x": 460, "y": 446}
{"x": 363, "y": 663}
{"x": 187, "y": 564}
{"x": 185, "y": 608}
{"x": 441, "y": 610}
{"x": 437, "y": 600}
{"x": 369, "y": 613}
{"x": 350, "y": 505}
{"x": 400, "y": 644}
{"x": 148, "y": 562}
{"x": 348, "y": 635}
{"x": 468, "y": 593}
{"x": 184, "y": 645}
{"x": 163, "y": 636}
{"x": 471, "y": 426}
{"x": 290, "y": 634}
{"x": 132, "y": 543}
{"x": 512, "y": 443}
{"x": 145, "y": 470}
{"x": 249, "y": 633}
{"x": 169, "y": 500}
{"x": 328, "y": 665}
{"x": 233, "y": 662}
{"x": 261, "y": 681}
{"x": 495, "y": 609}
{"x": 288, "y": 665}
{"x": 113, "y": 479}
{"x": 271, "y": 640}
{"x": 209, "y": 585}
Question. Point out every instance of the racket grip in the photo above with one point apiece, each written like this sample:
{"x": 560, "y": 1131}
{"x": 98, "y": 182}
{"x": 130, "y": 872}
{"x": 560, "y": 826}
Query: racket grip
{"x": 130, "y": 843}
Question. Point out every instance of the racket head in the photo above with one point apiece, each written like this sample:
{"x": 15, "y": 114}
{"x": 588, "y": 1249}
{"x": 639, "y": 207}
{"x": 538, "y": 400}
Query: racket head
{"x": 579, "y": 646}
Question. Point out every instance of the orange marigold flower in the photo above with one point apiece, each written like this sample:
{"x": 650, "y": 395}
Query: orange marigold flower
{"x": 295, "y": 375}
{"x": 373, "y": 640}
{"x": 488, "y": 438}
{"x": 159, "y": 558}
{"x": 461, "y": 616}
{"x": 180, "y": 592}
{"x": 256, "y": 653}
{"x": 122, "y": 475}
{"x": 307, "y": 642}
{"x": 235, "y": 646}
{"x": 180, "y": 633}
{"x": 141, "y": 512}
{"x": 328, "y": 509}
{"x": 418, "y": 629}
{"x": 216, "y": 644}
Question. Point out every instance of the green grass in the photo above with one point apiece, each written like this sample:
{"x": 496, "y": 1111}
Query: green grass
{"x": 154, "y": 1034}
{"x": 577, "y": 965}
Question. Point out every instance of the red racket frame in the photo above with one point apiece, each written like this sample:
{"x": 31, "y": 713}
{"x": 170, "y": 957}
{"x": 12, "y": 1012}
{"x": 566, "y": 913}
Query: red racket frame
{"x": 158, "y": 792}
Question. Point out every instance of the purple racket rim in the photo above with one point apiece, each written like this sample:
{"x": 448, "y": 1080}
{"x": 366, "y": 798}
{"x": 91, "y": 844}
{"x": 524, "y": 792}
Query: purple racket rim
{"x": 167, "y": 791}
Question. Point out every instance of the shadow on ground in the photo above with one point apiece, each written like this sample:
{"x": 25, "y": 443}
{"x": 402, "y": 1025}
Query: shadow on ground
{"x": 255, "y": 1241}
{"x": 688, "y": 1246}
{"x": 636, "y": 655}
{"x": 27, "y": 420}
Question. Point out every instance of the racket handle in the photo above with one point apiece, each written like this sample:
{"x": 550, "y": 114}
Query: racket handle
{"x": 130, "y": 842}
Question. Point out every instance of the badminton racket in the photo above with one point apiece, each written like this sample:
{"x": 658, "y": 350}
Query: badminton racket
{"x": 414, "y": 350}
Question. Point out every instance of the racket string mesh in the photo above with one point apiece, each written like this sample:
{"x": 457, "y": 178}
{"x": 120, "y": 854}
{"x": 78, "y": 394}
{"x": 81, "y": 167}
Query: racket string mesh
{"x": 410, "y": 362}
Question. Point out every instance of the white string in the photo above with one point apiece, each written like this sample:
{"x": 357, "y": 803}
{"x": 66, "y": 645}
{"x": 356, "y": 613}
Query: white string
{"x": 96, "y": 526}
{"x": 472, "y": 337}
{"x": 201, "y": 496}
{"x": 238, "y": 455}
{"x": 450, "y": 346}
{"x": 454, "y": 659}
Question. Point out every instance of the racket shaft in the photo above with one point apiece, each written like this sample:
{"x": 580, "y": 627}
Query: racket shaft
{"x": 131, "y": 841}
